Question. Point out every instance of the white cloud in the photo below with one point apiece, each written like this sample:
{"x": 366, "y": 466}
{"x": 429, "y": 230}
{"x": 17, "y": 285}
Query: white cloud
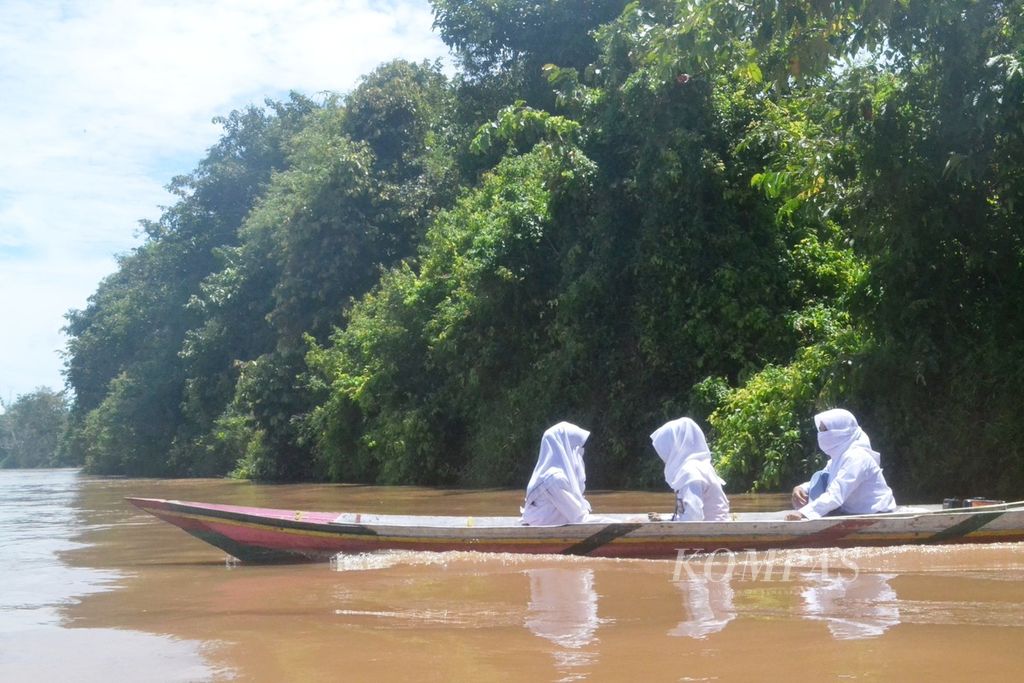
{"x": 106, "y": 100}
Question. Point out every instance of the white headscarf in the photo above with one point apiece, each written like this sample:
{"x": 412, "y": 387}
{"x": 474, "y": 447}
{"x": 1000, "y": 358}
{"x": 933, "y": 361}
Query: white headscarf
{"x": 561, "y": 449}
{"x": 842, "y": 433}
{"x": 678, "y": 442}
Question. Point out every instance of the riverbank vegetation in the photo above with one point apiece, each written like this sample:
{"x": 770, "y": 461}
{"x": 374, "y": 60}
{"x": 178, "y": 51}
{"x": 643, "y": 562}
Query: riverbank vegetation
{"x": 614, "y": 214}
{"x": 31, "y": 429}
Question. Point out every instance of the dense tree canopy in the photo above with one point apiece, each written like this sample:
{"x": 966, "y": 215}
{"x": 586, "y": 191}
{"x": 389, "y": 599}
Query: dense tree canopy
{"x": 31, "y": 429}
{"x": 614, "y": 213}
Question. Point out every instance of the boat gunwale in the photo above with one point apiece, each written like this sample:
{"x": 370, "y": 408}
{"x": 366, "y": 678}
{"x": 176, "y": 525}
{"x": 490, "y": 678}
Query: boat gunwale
{"x": 287, "y": 536}
{"x": 392, "y": 524}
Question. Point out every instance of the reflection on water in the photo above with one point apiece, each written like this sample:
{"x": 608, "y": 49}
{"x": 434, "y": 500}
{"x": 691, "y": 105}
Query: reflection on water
{"x": 707, "y": 605}
{"x": 37, "y": 525}
{"x": 857, "y": 608}
{"x": 124, "y": 597}
{"x": 563, "y": 610}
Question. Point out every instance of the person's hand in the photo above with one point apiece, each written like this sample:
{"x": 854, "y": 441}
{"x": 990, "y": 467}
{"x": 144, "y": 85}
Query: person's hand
{"x": 794, "y": 516}
{"x": 799, "y": 496}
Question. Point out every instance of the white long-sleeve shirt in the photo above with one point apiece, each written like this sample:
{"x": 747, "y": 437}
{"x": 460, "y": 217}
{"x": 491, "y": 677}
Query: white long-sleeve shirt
{"x": 553, "y": 501}
{"x": 681, "y": 445}
{"x": 700, "y": 495}
{"x": 855, "y": 484}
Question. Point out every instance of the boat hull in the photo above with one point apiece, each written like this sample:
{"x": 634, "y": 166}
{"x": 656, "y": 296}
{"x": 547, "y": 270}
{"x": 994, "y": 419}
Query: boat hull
{"x": 265, "y": 535}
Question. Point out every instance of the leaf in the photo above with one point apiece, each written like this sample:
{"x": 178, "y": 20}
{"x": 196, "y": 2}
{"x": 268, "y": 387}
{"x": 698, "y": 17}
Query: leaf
{"x": 751, "y": 72}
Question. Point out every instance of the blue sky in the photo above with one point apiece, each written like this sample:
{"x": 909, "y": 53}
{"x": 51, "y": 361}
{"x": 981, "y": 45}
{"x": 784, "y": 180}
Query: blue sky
{"x": 106, "y": 100}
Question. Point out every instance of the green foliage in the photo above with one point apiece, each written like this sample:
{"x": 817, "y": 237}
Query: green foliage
{"x": 424, "y": 358}
{"x": 508, "y": 35}
{"x": 123, "y": 360}
{"x": 290, "y": 216}
{"x": 362, "y": 181}
{"x": 521, "y": 128}
{"x": 260, "y": 426}
{"x": 31, "y": 429}
{"x": 938, "y": 204}
{"x": 403, "y": 111}
{"x": 126, "y": 433}
{"x": 616, "y": 214}
{"x": 764, "y": 438}
{"x": 505, "y": 49}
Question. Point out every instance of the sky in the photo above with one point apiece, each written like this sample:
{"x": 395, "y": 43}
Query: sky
{"x": 104, "y": 101}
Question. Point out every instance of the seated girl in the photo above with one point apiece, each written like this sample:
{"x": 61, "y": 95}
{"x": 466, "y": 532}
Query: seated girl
{"x": 852, "y": 483}
{"x": 689, "y": 472}
{"x": 555, "y": 492}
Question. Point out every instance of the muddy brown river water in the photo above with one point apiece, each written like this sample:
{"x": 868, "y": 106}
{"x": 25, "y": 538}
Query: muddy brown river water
{"x": 93, "y": 590}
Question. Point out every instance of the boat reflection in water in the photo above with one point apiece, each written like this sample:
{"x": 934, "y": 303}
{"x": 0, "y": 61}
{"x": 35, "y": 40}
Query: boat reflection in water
{"x": 862, "y": 607}
{"x": 707, "y": 605}
{"x": 563, "y": 610}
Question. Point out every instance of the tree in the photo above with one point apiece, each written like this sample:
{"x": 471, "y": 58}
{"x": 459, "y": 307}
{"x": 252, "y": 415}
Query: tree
{"x": 31, "y": 429}
{"x": 126, "y": 341}
{"x": 616, "y": 213}
{"x": 507, "y": 36}
{"x": 365, "y": 182}
{"x": 504, "y": 46}
{"x": 898, "y": 121}
{"x": 429, "y": 358}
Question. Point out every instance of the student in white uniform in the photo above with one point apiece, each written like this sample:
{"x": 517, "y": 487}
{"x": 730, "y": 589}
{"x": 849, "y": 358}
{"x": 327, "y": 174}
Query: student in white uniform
{"x": 855, "y": 484}
{"x": 689, "y": 472}
{"x": 555, "y": 493}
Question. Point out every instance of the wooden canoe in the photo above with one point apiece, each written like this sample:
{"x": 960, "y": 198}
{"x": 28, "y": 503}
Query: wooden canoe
{"x": 266, "y": 535}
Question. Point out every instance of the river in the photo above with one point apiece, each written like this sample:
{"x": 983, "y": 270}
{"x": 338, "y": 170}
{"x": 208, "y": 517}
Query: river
{"x": 93, "y": 590}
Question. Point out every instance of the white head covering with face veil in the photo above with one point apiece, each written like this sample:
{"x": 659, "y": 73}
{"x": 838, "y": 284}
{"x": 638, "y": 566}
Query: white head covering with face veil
{"x": 677, "y": 443}
{"x": 855, "y": 484}
{"x": 842, "y": 433}
{"x": 561, "y": 449}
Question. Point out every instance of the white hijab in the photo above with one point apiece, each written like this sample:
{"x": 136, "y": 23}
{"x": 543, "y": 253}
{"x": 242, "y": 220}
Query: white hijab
{"x": 842, "y": 433}
{"x": 677, "y": 442}
{"x": 561, "y": 449}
